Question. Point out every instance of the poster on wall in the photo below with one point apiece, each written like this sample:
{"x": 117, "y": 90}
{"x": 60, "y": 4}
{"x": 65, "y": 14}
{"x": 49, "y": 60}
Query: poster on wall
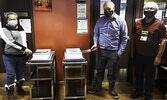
{"x": 81, "y": 11}
{"x": 82, "y": 26}
{"x": 43, "y": 5}
{"x": 26, "y": 24}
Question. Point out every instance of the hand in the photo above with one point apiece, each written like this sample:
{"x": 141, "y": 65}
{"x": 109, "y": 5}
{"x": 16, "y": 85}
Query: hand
{"x": 94, "y": 47}
{"x": 119, "y": 55}
{"x": 157, "y": 61}
{"x": 28, "y": 51}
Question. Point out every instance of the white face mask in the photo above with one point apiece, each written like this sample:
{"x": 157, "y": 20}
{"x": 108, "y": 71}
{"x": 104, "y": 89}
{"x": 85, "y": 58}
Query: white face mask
{"x": 12, "y": 23}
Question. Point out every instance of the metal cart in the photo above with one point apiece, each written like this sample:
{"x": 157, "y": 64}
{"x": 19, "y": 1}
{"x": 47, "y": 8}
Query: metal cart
{"x": 160, "y": 74}
{"x": 75, "y": 78}
{"x": 165, "y": 68}
{"x": 161, "y": 83}
{"x": 42, "y": 80}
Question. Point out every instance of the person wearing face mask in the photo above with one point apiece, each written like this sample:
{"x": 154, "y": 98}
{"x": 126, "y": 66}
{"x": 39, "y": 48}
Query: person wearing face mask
{"x": 147, "y": 34}
{"x": 14, "y": 54}
{"x": 110, "y": 38}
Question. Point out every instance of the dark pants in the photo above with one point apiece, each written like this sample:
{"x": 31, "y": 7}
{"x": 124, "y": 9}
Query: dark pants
{"x": 14, "y": 65}
{"x": 106, "y": 58}
{"x": 144, "y": 64}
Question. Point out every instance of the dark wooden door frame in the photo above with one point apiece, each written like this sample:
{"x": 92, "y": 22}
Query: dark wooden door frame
{"x": 94, "y": 15}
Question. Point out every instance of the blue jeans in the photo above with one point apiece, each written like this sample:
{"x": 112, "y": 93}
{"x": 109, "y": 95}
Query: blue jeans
{"x": 14, "y": 65}
{"x": 107, "y": 58}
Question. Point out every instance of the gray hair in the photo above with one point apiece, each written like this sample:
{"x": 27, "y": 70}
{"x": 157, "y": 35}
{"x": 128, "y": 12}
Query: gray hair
{"x": 10, "y": 13}
{"x": 109, "y": 2}
{"x": 151, "y": 3}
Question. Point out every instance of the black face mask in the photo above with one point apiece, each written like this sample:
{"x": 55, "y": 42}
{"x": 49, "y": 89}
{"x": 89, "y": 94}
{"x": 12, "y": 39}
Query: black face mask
{"x": 149, "y": 13}
{"x": 108, "y": 13}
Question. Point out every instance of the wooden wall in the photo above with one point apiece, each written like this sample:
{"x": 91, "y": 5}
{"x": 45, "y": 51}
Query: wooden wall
{"x": 57, "y": 30}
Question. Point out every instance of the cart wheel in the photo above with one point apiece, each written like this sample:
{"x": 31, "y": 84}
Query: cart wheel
{"x": 166, "y": 96}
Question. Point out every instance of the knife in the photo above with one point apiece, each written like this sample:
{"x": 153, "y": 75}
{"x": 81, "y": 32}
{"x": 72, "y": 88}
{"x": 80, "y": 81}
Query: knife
{"x": 86, "y": 51}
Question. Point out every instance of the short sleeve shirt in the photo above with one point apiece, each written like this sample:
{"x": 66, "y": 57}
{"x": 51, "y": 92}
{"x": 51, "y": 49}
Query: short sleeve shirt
{"x": 156, "y": 30}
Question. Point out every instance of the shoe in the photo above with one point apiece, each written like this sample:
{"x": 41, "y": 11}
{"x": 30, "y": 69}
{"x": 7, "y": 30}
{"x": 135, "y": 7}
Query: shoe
{"x": 10, "y": 91}
{"x": 19, "y": 88}
{"x": 148, "y": 96}
{"x": 136, "y": 95}
{"x": 114, "y": 94}
{"x": 112, "y": 91}
{"x": 91, "y": 91}
{"x": 97, "y": 86}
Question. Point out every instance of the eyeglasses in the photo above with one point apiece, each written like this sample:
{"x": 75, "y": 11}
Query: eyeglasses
{"x": 150, "y": 8}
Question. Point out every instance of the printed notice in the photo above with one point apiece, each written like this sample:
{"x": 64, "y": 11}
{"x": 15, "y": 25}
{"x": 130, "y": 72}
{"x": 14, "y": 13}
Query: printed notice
{"x": 26, "y": 24}
{"x": 82, "y": 26}
{"x": 81, "y": 11}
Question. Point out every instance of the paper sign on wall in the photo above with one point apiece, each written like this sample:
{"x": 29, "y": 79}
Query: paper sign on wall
{"x": 82, "y": 26}
{"x": 26, "y": 24}
{"x": 81, "y": 11}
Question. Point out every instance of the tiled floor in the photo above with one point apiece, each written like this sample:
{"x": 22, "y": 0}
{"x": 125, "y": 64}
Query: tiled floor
{"x": 124, "y": 89}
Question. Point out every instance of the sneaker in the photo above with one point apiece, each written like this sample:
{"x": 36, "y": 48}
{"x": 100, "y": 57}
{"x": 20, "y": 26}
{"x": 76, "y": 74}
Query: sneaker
{"x": 91, "y": 91}
{"x": 94, "y": 90}
{"x": 114, "y": 94}
{"x": 97, "y": 86}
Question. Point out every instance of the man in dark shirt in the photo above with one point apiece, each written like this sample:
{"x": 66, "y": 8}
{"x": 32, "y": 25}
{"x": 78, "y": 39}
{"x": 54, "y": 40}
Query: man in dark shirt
{"x": 148, "y": 34}
{"x": 110, "y": 38}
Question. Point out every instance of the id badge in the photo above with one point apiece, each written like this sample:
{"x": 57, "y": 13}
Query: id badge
{"x": 144, "y": 36}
